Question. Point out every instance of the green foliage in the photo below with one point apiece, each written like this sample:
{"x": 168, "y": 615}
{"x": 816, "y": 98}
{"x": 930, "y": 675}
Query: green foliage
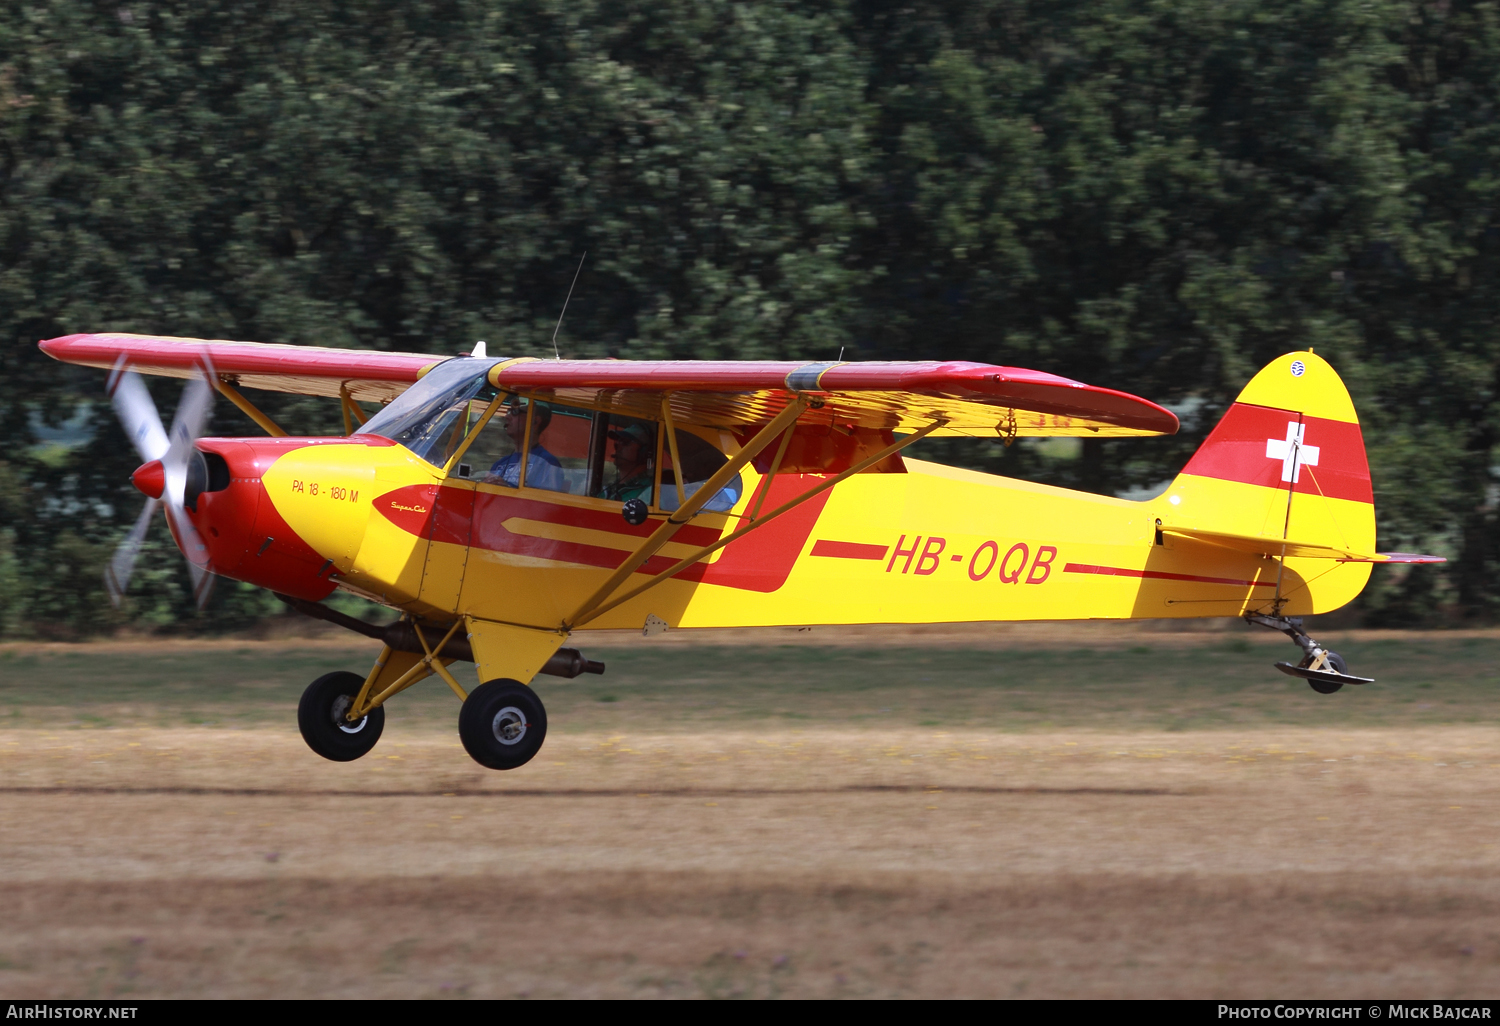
{"x": 1157, "y": 197}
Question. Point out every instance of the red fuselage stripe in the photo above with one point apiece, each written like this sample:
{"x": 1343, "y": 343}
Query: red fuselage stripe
{"x": 762, "y": 561}
{"x": 848, "y": 550}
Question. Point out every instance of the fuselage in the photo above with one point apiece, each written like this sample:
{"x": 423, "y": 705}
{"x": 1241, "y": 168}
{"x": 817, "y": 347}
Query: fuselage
{"x": 932, "y": 544}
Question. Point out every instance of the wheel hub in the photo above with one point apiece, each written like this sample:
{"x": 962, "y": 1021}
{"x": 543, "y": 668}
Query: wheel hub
{"x": 510, "y": 725}
{"x": 341, "y": 706}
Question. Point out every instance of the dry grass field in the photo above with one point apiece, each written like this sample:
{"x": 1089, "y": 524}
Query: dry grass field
{"x": 1088, "y": 811}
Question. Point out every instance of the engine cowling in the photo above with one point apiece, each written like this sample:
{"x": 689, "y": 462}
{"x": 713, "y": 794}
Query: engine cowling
{"x": 246, "y": 537}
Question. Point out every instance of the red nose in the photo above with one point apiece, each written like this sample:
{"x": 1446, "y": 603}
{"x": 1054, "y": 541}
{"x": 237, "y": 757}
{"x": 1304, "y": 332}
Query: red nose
{"x": 150, "y": 478}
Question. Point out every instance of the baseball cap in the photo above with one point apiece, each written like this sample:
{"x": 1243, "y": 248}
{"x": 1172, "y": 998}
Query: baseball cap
{"x": 638, "y": 433}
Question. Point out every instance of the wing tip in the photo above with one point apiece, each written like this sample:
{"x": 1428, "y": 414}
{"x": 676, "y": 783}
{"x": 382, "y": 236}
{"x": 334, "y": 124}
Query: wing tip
{"x": 57, "y": 347}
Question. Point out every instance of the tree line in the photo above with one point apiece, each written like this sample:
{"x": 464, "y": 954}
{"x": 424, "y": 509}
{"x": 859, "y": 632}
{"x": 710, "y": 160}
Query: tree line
{"x": 1154, "y": 195}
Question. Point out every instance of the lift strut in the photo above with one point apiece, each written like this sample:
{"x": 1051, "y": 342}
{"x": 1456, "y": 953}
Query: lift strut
{"x": 602, "y": 602}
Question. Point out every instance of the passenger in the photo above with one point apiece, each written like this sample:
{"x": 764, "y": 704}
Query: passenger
{"x": 542, "y": 468}
{"x": 634, "y": 448}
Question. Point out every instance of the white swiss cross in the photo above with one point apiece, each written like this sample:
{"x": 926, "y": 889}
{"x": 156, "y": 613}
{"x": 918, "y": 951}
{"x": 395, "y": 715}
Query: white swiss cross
{"x": 1291, "y": 452}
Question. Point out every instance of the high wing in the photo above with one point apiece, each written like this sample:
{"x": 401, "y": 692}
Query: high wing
{"x": 969, "y": 398}
{"x": 972, "y": 398}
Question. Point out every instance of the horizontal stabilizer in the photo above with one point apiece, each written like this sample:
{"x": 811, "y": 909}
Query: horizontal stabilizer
{"x": 1265, "y": 546}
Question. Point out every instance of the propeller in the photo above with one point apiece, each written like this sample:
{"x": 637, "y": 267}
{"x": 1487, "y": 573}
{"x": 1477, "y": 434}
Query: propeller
{"x": 162, "y": 475}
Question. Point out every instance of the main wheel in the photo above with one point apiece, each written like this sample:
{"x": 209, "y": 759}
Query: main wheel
{"x": 1335, "y": 663}
{"x": 502, "y": 724}
{"x": 320, "y": 715}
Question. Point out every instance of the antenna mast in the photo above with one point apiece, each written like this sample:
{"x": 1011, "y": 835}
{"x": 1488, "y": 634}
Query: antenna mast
{"x": 560, "y": 316}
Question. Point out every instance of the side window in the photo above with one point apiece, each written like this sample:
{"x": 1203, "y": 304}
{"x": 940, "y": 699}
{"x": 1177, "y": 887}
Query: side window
{"x": 495, "y": 455}
{"x": 624, "y": 464}
{"x": 560, "y": 453}
{"x": 699, "y": 462}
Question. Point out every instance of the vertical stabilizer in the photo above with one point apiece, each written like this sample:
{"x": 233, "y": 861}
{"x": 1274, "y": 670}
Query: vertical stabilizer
{"x": 1286, "y": 461}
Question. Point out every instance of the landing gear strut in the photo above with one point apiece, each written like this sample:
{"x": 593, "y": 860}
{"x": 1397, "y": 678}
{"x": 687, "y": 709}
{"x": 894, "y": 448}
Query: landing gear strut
{"x": 1324, "y": 671}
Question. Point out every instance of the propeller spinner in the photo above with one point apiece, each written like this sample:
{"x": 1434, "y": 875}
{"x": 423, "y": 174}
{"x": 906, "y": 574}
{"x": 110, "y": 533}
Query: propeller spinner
{"x": 164, "y": 474}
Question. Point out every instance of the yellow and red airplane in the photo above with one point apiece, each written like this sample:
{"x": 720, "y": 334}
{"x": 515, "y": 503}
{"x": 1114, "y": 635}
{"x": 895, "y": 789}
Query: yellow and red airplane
{"x": 501, "y": 506}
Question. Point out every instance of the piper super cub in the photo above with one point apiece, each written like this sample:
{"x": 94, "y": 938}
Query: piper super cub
{"x": 503, "y": 505}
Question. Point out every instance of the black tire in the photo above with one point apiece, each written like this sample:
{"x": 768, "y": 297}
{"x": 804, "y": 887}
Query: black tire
{"x": 1335, "y": 663}
{"x": 502, "y": 724}
{"x": 320, "y": 716}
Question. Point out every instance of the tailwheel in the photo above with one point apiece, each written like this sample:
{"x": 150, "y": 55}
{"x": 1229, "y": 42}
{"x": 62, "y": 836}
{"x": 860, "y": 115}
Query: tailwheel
{"x": 1324, "y": 671}
{"x": 502, "y": 724}
{"x": 1334, "y": 662}
{"x": 320, "y": 715}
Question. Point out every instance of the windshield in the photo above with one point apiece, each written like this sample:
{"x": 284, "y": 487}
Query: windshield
{"x": 431, "y": 417}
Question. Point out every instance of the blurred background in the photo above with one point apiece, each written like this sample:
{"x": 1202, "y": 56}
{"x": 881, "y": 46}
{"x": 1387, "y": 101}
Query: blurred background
{"x": 1151, "y": 196}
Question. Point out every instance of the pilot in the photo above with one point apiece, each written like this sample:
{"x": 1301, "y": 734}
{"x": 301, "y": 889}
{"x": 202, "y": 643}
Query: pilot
{"x": 634, "y": 448}
{"x": 542, "y": 468}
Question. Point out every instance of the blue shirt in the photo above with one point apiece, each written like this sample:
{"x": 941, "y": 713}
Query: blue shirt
{"x": 542, "y": 471}
{"x": 725, "y": 500}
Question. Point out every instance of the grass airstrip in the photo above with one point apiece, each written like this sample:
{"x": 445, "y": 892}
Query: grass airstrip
{"x": 877, "y": 679}
{"x": 1088, "y": 810}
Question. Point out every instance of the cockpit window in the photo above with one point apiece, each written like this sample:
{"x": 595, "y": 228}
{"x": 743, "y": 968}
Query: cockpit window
{"x": 556, "y": 459}
{"x": 700, "y": 461}
{"x": 431, "y": 417}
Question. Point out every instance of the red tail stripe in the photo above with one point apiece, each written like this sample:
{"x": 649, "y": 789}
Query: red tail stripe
{"x": 1236, "y": 451}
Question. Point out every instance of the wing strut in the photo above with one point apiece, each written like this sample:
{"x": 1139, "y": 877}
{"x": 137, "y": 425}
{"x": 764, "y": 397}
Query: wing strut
{"x": 598, "y": 608}
{"x": 250, "y": 410}
{"x": 786, "y": 438}
{"x": 684, "y": 513}
{"x": 351, "y": 410}
{"x": 677, "y": 472}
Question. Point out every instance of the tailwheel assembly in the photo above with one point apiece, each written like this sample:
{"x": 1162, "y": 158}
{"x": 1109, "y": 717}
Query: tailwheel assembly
{"x": 321, "y": 716}
{"x": 502, "y": 724}
{"x": 1324, "y": 671}
{"x": 1332, "y": 663}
